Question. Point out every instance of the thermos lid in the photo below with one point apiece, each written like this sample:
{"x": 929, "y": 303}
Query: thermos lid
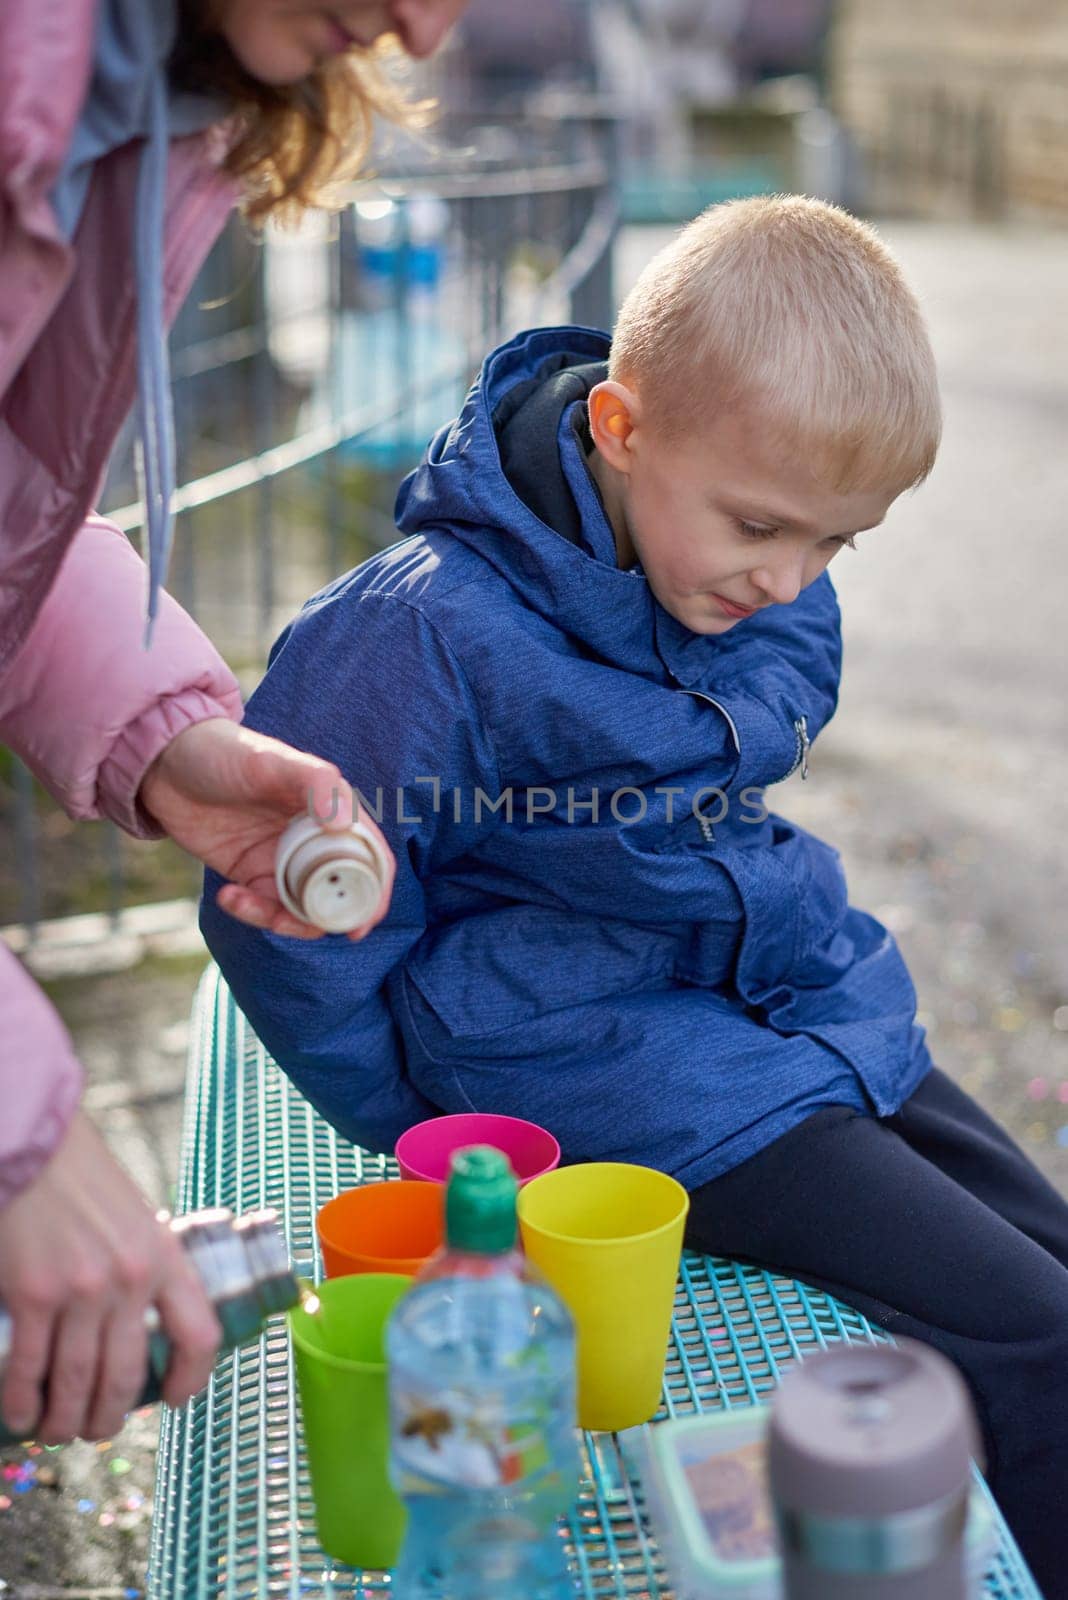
{"x": 217, "y": 1252}
{"x": 859, "y": 1430}
{"x": 276, "y": 1285}
{"x": 340, "y": 894}
{"x": 333, "y": 880}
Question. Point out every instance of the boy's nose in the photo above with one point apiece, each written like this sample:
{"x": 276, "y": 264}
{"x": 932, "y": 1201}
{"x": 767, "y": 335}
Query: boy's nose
{"x": 781, "y": 582}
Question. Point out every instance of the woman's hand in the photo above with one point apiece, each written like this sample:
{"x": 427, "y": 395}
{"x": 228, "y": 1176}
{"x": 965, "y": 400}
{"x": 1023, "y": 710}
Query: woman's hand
{"x": 226, "y": 794}
{"x": 81, "y": 1258}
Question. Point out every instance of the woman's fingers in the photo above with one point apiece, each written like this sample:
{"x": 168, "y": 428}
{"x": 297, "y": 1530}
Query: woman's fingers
{"x": 245, "y": 905}
{"x": 81, "y": 1255}
{"x": 124, "y": 1362}
{"x": 73, "y": 1373}
{"x": 294, "y": 782}
{"x": 187, "y": 1318}
{"x": 328, "y": 797}
{"x": 22, "y": 1398}
{"x": 226, "y": 793}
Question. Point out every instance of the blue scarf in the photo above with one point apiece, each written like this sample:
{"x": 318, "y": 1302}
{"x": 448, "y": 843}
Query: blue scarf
{"x": 129, "y": 98}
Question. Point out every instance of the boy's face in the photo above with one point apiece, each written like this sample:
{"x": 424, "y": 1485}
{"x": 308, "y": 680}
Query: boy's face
{"x": 723, "y": 523}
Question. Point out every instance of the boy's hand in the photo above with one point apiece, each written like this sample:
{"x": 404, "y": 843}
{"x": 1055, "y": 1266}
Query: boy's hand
{"x": 225, "y": 794}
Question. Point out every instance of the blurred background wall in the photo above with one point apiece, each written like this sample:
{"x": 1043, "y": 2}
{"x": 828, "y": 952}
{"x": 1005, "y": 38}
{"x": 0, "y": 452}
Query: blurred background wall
{"x": 958, "y": 107}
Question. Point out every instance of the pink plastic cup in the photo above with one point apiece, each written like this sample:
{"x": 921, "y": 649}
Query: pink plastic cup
{"x": 424, "y": 1152}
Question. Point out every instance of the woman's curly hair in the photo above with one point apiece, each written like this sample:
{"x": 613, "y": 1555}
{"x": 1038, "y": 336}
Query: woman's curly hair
{"x": 294, "y": 144}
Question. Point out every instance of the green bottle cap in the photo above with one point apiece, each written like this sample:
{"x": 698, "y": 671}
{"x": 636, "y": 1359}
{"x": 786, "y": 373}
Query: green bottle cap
{"x": 480, "y": 1201}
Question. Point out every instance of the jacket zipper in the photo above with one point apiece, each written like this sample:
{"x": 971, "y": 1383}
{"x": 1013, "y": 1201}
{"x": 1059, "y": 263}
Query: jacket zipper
{"x": 705, "y": 825}
{"x": 803, "y": 746}
{"x": 803, "y": 742}
{"x": 708, "y": 831}
{"x": 723, "y": 712}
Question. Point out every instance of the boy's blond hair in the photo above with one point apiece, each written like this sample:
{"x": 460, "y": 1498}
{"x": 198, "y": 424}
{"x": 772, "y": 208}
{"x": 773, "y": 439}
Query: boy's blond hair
{"x": 794, "y": 308}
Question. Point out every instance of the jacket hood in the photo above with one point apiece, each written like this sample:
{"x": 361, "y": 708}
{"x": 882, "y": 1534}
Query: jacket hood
{"x": 509, "y": 479}
{"x": 511, "y": 459}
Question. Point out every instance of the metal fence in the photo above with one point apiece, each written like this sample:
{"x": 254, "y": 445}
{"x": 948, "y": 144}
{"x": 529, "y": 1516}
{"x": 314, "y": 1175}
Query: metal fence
{"x": 310, "y": 369}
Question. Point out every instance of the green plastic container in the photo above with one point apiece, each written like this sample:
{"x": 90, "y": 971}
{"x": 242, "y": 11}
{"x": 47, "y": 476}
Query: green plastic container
{"x": 341, "y": 1375}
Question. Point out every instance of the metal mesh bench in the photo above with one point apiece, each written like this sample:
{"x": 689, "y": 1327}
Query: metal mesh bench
{"x": 233, "y": 1511}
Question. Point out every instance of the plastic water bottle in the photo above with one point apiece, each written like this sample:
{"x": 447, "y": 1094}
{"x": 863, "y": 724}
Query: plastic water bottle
{"x": 482, "y": 1406}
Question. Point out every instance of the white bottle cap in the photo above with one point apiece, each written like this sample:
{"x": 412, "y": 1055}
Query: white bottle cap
{"x": 332, "y": 880}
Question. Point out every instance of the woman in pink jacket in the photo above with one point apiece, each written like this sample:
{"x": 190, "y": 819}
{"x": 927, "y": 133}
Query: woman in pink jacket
{"x": 128, "y": 131}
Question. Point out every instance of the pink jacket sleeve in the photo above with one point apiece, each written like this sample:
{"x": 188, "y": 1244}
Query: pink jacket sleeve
{"x": 40, "y": 1078}
{"x": 85, "y": 705}
{"x": 88, "y": 709}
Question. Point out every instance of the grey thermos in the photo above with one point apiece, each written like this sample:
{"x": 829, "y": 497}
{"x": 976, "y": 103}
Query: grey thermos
{"x": 243, "y": 1265}
{"x": 869, "y": 1460}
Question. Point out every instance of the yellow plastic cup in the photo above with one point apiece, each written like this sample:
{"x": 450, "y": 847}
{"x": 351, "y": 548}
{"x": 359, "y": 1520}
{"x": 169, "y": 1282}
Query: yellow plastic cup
{"x": 608, "y": 1236}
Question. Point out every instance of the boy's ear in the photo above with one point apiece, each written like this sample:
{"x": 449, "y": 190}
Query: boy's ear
{"x": 614, "y": 414}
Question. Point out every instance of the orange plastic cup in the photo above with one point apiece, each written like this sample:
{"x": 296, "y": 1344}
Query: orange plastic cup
{"x": 381, "y": 1227}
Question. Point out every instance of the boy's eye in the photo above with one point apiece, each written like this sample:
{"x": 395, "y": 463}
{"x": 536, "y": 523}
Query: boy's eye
{"x": 763, "y": 530}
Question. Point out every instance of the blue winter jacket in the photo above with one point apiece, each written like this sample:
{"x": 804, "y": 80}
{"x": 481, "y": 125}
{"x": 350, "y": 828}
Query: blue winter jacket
{"x": 595, "y": 923}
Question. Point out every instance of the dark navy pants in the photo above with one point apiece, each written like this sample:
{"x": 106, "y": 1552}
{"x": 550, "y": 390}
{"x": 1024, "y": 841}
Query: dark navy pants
{"x": 934, "y": 1225}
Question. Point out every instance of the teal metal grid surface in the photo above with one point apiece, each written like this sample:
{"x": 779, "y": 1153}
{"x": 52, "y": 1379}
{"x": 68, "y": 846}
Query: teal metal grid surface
{"x": 233, "y": 1512}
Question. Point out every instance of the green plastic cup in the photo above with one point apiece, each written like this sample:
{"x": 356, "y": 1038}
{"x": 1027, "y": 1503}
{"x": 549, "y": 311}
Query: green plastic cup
{"x": 339, "y": 1350}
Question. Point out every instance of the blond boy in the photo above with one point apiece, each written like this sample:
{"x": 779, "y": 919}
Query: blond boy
{"x": 563, "y": 696}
